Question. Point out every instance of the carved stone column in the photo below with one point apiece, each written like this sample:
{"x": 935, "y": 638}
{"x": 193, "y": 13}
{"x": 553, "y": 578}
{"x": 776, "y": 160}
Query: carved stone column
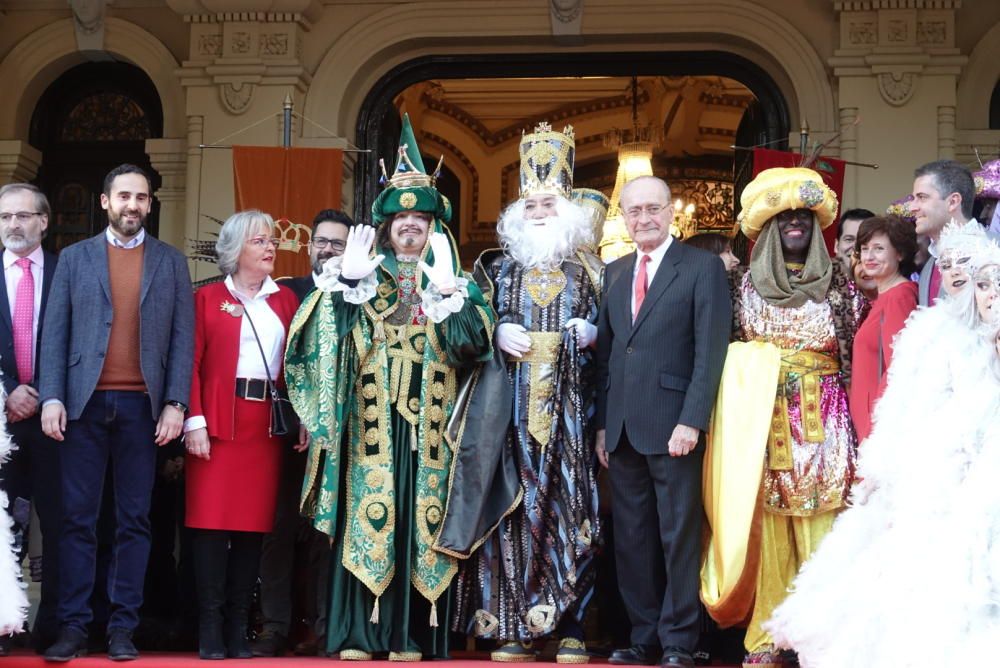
{"x": 946, "y": 132}
{"x": 19, "y": 161}
{"x": 897, "y": 62}
{"x": 169, "y": 158}
{"x": 192, "y": 175}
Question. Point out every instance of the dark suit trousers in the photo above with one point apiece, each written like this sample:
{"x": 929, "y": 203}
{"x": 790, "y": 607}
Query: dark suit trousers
{"x": 657, "y": 513}
{"x": 115, "y": 426}
{"x": 36, "y": 465}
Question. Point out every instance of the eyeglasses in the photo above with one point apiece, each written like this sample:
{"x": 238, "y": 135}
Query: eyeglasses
{"x": 651, "y": 210}
{"x": 261, "y": 242}
{"x": 21, "y": 216}
{"x": 323, "y": 242}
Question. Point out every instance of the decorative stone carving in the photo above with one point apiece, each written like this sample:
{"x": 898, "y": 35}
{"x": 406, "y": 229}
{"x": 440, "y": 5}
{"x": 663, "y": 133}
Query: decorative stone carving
{"x": 274, "y": 44}
{"x": 896, "y": 31}
{"x": 236, "y": 97}
{"x": 88, "y": 21}
{"x": 932, "y": 32}
{"x": 897, "y": 88}
{"x": 566, "y": 17}
{"x": 242, "y": 42}
{"x": 210, "y": 45}
{"x": 863, "y": 33}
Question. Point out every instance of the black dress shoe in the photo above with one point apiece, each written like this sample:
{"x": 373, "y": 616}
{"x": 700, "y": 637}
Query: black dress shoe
{"x": 120, "y": 647}
{"x": 269, "y": 643}
{"x": 636, "y": 655}
{"x": 676, "y": 657}
{"x": 70, "y": 644}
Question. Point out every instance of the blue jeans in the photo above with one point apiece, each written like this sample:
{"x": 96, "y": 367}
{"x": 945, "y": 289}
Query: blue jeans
{"x": 115, "y": 426}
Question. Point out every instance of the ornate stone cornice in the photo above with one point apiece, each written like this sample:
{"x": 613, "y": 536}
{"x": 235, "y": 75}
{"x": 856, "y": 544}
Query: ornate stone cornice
{"x": 874, "y": 5}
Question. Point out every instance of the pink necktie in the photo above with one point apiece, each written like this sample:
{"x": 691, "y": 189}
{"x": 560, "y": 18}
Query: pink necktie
{"x": 24, "y": 321}
{"x": 641, "y": 284}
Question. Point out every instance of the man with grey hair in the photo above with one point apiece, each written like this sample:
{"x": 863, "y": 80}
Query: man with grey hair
{"x": 943, "y": 192}
{"x": 33, "y": 472}
{"x": 662, "y": 335}
{"x": 115, "y": 378}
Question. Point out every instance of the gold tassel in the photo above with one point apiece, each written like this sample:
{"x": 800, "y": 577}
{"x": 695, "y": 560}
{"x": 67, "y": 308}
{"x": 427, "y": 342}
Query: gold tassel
{"x": 374, "y": 619}
{"x": 434, "y": 614}
{"x": 413, "y": 438}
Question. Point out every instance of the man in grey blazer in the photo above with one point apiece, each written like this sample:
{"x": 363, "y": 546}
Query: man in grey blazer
{"x": 115, "y": 376}
{"x": 943, "y": 191}
{"x": 663, "y": 331}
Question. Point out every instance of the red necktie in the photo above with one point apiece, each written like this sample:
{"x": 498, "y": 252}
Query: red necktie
{"x": 641, "y": 284}
{"x": 24, "y": 321}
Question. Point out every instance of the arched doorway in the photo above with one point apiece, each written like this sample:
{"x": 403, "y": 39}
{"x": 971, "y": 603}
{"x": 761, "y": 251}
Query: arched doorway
{"x": 94, "y": 117}
{"x": 377, "y": 128}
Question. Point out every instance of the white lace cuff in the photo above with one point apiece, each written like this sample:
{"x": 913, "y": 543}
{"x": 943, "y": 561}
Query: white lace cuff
{"x": 437, "y": 307}
{"x": 329, "y": 281}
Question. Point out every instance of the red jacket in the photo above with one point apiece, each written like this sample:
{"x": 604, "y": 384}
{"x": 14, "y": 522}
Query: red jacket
{"x": 217, "y": 350}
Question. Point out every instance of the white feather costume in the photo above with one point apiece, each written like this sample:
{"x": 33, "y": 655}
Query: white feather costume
{"x": 13, "y": 601}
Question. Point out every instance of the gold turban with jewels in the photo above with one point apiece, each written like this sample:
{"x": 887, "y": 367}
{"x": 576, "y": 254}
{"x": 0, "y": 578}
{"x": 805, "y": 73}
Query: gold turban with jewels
{"x": 547, "y": 160}
{"x": 785, "y": 189}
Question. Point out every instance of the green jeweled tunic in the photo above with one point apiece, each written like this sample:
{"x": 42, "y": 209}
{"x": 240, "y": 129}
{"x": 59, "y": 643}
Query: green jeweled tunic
{"x": 376, "y": 383}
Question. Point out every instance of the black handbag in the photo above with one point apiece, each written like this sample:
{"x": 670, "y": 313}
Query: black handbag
{"x": 283, "y": 417}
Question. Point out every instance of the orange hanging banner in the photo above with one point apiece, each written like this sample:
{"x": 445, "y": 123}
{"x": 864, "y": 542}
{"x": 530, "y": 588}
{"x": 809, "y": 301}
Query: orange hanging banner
{"x": 292, "y": 185}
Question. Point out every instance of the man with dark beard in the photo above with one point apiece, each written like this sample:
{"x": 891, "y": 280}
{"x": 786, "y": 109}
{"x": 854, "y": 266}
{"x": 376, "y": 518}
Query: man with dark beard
{"x": 115, "y": 376}
{"x": 534, "y": 574}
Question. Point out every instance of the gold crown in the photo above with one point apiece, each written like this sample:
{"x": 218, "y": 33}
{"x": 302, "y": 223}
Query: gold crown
{"x": 547, "y": 161}
{"x": 293, "y": 236}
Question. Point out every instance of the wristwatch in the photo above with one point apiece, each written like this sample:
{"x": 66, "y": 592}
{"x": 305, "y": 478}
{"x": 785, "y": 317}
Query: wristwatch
{"x": 178, "y": 405}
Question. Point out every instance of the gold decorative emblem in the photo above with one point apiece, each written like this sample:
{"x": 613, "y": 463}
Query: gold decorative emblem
{"x": 433, "y": 481}
{"x": 381, "y": 304}
{"x": 407, "y": 200}
{"x": 486, "y": 623}
{"x": 772, "y": 197}
{"x": 235, "y": 310}
{"x": 540, "y": 618}
{"x": 544, "y": 286}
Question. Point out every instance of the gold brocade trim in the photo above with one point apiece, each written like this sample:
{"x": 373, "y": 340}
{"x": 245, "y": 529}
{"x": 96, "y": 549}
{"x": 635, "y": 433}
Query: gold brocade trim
{"x": 542, "y": 357}
{"x": 595, "y": 272}
{"x": 544, "y": 286}
{"x": 808, "y": 366}
{"x": 544, "y": 348}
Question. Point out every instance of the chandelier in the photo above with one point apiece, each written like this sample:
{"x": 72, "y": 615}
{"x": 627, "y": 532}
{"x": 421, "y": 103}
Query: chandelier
{"x": 635, "y": 158}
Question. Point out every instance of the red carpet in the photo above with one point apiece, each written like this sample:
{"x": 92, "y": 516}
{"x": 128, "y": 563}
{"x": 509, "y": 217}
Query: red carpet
{"x": 154, "y": 660}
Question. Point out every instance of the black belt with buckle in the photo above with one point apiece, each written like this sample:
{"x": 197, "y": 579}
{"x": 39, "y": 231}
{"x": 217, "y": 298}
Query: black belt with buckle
{"x": 252, "y": 389}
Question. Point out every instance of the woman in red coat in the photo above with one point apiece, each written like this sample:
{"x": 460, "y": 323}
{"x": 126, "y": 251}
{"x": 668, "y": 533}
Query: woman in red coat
{"x": 233, "y": 463}
{"x": 885, "y": 249}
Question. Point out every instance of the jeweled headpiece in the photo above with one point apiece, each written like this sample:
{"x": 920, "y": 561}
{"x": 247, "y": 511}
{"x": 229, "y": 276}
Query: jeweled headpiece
{"x": 901, "y": 209}
{"x": 596, "y": 204}
{"x": 410, "y": 188}
{"x": 968, "y": 237}
{"x": 784, "y": 189}
{"x": 987, "y": 181}
{"x": 547, "y": 160}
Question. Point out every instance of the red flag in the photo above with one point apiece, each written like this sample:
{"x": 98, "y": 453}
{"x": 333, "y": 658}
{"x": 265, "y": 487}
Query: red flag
{"x": 831, "y": 169}
{"x": 292, "y": 185}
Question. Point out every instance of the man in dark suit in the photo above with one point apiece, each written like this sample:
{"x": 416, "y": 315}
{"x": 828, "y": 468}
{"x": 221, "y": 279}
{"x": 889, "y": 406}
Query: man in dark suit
{"x": 115, "y": 377}
{"x": 943, "y": 191}
{"x": 277, "y": 562}
{"x": 33, "y": 472}
{"x": 663, "y": 331}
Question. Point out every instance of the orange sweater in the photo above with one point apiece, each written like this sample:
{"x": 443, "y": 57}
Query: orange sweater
{"x": 121, "y": 366}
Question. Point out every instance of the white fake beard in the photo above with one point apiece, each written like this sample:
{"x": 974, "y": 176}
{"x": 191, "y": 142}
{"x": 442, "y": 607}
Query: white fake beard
{"x": 544, "y": 247}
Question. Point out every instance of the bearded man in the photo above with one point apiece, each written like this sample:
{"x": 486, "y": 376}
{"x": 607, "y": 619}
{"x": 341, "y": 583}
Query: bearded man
{"x": 534, "y": 574}
{"x": 372, "y": 365}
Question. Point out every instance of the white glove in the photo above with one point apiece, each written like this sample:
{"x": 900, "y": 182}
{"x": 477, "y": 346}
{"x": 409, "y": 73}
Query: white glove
{"x": 442, "y": 274}
{"x": 586, "y": 333}
{"x": 356, "y": 264}
{"x": 512, "y": 339}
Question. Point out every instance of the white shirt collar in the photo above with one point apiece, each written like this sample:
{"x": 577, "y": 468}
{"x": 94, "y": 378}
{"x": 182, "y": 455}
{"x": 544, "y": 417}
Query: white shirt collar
{"x": 656, "y": 255}
{"x": 269, "y": 287}
{"x": 36, "y": 256}
{"x": 132, "y": 243}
